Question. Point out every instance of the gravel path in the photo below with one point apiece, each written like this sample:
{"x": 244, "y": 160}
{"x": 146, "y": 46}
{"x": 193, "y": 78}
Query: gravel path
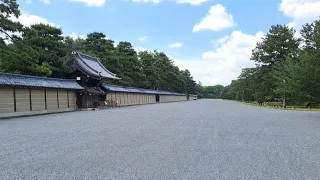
{"x": 203, "y": 139}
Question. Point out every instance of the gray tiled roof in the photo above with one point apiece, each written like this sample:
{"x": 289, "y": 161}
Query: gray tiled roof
{"x": 92, "y": 66}
{"x": 115, "y": 88}
{"x": 17, "y": 80}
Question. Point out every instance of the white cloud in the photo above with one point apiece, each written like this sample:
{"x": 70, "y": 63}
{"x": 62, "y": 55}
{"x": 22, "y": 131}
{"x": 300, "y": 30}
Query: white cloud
{"x": 300, "y": 11}
{"x": 140, "y": 49}
{"x": 192, "y": 2}
{"x": 74, "y": 36}
{"x": 45, "y": 1}
{"x": 146, "y": 1}
{"x": 217, "y": 19}
{"x": 169, "y": 56}
{"x": 91, "y": 3}
{"x": 144, "y": 38}
{"x": 6, "y": 40}
{"x": 175, "y": 45}
{"x": 225, "y": 62}
{"x": 28, "y": 20}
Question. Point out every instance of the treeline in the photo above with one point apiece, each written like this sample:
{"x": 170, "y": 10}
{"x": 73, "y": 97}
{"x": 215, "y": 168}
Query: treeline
{"x": 287, "y": 68}
{"x": 42, "y": 50}
{"x": 209, "y": 92}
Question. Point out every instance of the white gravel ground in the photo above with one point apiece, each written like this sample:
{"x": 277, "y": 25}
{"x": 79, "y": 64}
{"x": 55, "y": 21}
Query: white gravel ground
{"x": 203, "y": 139}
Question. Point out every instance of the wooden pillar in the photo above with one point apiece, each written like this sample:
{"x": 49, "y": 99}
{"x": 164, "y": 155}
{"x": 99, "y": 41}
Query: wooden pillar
{"x": 45, "y": 99}
{"x": 14, "y": 100}
{"x": 68, "y": 98}
{"x": 58, "y": 98}
{"x": 139, "y": 98}
{"x": 128, "y": 102}
{"x": 30, "y": 101}
{"x": 86, "y": 101}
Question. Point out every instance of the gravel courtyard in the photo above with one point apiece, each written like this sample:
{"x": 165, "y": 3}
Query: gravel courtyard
{"x": 203, "y": 139}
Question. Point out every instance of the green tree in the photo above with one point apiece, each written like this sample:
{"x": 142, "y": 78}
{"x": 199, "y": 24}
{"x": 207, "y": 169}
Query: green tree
{"x": 248, "y": 83}
{"x": 147, "y": 61}
{"x": 48, "y": 42}
{"x": 22, "y": 61}
{"x": 74, "y": 45}
{"x": 8, "y": 9}
{"x": 310, "y": 64}
{"x": 189, "y": 83}
{"x": 278, "y": 44}
{"x": 288, "y": 79}
{"x": 131, "y": 72}
{"x": 212, "y": 92}
{"x": 200, "y": 90}
{"x": 162, "y": 66}
{"x": 225, "y": 93}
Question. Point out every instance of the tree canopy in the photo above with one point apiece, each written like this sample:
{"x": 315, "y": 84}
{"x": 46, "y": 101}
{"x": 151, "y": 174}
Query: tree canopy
{"x": 287, "y": 68}
{"x": 211, "y": 92}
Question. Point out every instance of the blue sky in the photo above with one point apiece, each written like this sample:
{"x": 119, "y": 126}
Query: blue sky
{"x": 212, "y": 38}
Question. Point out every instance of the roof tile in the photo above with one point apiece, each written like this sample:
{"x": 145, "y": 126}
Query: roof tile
{"x": 18, "y": 80}
{"x": 92, "y": 66}
{"x": 115, "y": 88}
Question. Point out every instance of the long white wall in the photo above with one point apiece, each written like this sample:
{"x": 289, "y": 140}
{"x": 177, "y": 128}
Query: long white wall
{"x": 32, "y": 101}
{"x": 171, "y": 98}
{"x": 125, "y": 99}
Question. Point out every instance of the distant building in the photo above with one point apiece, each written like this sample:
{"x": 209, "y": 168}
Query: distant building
{"x": 192, "y": 97}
